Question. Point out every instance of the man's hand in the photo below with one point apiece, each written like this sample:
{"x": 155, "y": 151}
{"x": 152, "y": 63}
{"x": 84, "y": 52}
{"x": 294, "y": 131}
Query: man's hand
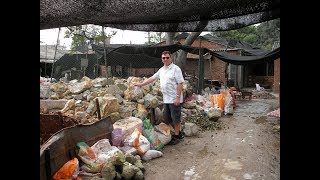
{"x": 137, "y": 84}
{"x": 177, "y": 101}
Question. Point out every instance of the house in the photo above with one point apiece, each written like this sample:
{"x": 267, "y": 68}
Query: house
{"x": 80, "y": 62}
{"x": 48, "y": 55}
{"x": 242, "y": 76}
{"x": 139, "y": 60}
{"x": 276, "y": 74}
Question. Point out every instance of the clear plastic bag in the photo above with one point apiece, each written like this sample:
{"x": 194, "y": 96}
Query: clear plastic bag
{"x": 117, "y": 137}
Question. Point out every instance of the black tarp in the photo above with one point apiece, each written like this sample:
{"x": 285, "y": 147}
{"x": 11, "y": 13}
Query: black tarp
{"x": 243, "y": 60}
{"x": 139, "y": 56}
{"x": 158, "y": 15}
{"x": 68, "y": 62}
{"x": 149, "y": 56}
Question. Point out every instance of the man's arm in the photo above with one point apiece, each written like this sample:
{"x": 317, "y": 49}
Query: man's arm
{"x": 147, "y": 81}
{"x": 179, "y": 89}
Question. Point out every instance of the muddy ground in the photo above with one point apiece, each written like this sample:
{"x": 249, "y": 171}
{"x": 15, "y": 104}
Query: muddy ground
{"x": 247, "y": 147}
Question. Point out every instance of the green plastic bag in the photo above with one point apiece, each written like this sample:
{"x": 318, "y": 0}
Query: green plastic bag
{"x": 151, "y": 135}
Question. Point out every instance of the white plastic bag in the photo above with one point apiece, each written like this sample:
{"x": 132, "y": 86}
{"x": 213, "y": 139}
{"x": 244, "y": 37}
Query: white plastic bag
{"x": 151, "y": 154}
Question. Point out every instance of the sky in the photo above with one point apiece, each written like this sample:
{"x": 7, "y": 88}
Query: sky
{"x": 50, "y": 36}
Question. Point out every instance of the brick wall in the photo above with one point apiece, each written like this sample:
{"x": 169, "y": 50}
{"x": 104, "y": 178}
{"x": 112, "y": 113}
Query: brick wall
{"x": 217, "y": 71}
{"x": 264, "y": 81}
{"x": 276, "y": 81}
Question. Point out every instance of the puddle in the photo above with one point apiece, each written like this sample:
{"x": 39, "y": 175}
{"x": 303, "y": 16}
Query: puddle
{"x": 261, "y": 119}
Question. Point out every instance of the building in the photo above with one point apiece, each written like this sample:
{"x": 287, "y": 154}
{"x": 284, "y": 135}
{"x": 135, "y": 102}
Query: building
{"x": 267, "y": 74}
{"x": 48, "y": 55}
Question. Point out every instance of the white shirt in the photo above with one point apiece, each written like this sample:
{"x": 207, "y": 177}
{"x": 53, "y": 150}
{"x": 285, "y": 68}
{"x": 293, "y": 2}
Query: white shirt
{"x": 169, "y": 77}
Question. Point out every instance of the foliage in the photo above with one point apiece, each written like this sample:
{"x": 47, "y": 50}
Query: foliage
{"x": 262, "y": 35}
{"x": 269, "y": 32}
{"x": 87, "y": 34}
{"x": 155, "y": 38}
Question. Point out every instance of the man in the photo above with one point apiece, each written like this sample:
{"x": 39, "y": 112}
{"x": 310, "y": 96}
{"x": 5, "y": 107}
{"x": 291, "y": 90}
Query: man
{"x": 171, "y": 80}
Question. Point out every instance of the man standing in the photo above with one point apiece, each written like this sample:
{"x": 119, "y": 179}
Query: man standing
{"x": 171, "y": 80}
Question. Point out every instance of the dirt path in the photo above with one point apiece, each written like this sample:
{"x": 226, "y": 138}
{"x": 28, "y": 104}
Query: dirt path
{"x": 248, "y": 147}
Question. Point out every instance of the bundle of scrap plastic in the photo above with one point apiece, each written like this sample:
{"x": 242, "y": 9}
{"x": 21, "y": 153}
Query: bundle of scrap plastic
{"x": 275, "y": 113}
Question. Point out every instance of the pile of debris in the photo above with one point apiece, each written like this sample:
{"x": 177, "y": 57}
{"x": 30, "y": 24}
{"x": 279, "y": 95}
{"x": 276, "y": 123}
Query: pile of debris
{"x": 119, "y": 99}
{"x": 204, "y": 123}
{"x": 275, "y": 113}
{"x": 262, "y": 94}
{"x": 87, "y": 101}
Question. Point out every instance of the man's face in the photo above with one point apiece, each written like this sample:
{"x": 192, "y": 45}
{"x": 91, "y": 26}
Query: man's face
{"x": 166, "y": 59}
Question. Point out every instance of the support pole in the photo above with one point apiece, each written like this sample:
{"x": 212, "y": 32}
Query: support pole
{"x": 104, "y": 51}
{"x": 200, "y": 71}
{"x": 45, "y": 63}
{"x": 98, "y": 109}
{"x": 55, "y": 53}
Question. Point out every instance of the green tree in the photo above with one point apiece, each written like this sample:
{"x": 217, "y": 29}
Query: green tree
{"x": 247, "y": 34}
{"x": 261, "y": 35}
{"x": 87, "y": 34}
{"x": 268, "y": 32}
{"x": 155, "y": 37}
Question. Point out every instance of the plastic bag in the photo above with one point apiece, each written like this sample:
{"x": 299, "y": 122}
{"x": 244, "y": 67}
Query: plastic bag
{"x": 101, "y": 145}
{"x": 218, "y": 100}
{"x": 104, "y": 151}
{"x": 228, "y": 107}
{"x": 138, "y": 141}
{"x": 88, "y": 156}
{"x": 151, "y": 154}
{"x": 163, "y": 133}
{"x": 85, "y": 152}
{"x": 151, "y": 135}
{"x": 117, "y": 137}
{"x": 69, "y": 170}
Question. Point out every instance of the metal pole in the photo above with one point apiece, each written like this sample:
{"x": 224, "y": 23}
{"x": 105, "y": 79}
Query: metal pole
{"x": 210, "y": 64}
{"x": 55, "y": 52}
{"x": 104, "y": 51}
{"x": 97, "y": 68}
{"x": 98, "y": 109}
{"x": 201, "y": 71}
{"x": 131, "y": 71}
{"x": 45, "y": 63}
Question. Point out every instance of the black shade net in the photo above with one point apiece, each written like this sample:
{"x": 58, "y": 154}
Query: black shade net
{"x": 158, "y": 15}
{"x": 149, "y": 56}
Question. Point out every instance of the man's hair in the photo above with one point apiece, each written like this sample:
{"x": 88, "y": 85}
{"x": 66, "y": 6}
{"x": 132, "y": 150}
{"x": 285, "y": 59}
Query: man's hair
{"x": 166, "y": 52}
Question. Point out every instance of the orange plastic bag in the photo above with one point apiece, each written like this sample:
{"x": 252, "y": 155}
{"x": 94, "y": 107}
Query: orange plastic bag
{"x": 69, "y": 170}
{"x": 218, "y": 100}
{"x": 139, "y": 142}
{"x": 85, "y": 152}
